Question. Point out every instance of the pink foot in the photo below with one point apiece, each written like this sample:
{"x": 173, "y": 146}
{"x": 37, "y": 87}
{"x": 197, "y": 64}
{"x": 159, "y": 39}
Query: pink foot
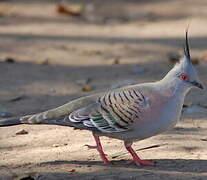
{"x": 99, "y": 149}
{"x": 136, "y": 158}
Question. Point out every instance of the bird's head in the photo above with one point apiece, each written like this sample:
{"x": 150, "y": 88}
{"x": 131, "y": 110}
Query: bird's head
{"x": 184, "y": 72}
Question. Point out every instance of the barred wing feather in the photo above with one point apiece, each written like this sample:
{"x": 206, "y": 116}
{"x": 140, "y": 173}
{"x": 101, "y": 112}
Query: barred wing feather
{"x": 113, "y": 111}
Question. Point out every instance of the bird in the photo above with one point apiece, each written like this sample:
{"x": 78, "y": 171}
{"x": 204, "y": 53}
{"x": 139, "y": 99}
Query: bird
{"x": 130, "y": 113}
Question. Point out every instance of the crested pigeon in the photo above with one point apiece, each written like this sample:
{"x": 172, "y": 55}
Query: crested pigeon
{"x": 130, "y": 113}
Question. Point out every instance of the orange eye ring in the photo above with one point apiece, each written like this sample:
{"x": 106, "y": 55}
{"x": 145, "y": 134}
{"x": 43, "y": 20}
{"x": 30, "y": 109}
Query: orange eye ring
{"x": 184, "y": 77}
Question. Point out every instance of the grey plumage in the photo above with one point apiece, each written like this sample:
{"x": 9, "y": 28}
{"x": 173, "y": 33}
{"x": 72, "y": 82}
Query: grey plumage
{"x": 108, "y": 112}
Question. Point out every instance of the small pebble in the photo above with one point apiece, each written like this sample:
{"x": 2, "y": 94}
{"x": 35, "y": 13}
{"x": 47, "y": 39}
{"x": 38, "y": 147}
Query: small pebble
{"x": 58, "y": 145}
{"x": 55, "y": 145}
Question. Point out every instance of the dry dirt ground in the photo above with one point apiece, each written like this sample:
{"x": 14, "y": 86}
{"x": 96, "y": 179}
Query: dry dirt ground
{"x": 46, "y": 60}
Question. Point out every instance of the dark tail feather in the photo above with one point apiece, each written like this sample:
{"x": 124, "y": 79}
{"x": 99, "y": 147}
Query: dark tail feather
{"x": 9, "y": 122}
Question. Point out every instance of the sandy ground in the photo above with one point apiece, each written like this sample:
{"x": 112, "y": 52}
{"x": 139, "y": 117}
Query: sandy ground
{"x": 112, "y": 43}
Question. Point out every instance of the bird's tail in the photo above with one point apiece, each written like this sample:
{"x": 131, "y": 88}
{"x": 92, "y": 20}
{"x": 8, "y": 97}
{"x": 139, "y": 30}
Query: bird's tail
{"x": 29, "y": 119}
{"x": 10, "y": 122}
{"x": 51, "y": 116}
{"x": 39, "y": 118}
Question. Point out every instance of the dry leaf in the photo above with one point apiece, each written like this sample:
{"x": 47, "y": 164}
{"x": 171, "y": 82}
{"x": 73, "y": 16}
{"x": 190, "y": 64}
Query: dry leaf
{"x": 22, "y": 132}
{"x": 87, "y": 87}
{"x": 116, "y": 60}
{"x": 173, "y": 57}
{"x": 10, "y": 60}
{"x": 195, "y": 61}
{"x": 72, "y": 170}
{"x": 69, "y": 9}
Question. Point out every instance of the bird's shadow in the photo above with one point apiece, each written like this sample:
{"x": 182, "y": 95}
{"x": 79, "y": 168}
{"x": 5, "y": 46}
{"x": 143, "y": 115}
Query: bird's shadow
{"x": 170, "y": 169}
{"x": 179, "y": 165}
{"x": 119, "y": 169}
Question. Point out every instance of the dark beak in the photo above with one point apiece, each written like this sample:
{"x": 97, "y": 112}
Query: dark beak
{"x": 197, "y": 84}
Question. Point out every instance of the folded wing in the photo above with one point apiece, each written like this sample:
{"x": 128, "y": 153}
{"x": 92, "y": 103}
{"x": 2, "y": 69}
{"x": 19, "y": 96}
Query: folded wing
{"x": 114, "y": 111}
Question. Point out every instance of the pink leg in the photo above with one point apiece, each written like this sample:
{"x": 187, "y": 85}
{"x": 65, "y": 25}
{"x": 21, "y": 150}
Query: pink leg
{"x": 136, "y": 158}
{"x": 99, "y": 149}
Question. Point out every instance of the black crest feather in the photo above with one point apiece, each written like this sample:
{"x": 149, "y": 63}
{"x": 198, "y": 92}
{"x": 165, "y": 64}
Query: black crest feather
{"x": 186, "y": 46}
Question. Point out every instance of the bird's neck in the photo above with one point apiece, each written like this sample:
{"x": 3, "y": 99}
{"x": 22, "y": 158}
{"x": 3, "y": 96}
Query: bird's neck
{"x": 171, "y": 87}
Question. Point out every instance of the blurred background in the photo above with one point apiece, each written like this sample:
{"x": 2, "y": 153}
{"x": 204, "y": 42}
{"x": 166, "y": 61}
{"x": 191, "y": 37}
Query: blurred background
{"x": 54, "y": 51}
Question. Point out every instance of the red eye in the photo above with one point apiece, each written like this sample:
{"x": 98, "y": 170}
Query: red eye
{"x": 184, "y": 77}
